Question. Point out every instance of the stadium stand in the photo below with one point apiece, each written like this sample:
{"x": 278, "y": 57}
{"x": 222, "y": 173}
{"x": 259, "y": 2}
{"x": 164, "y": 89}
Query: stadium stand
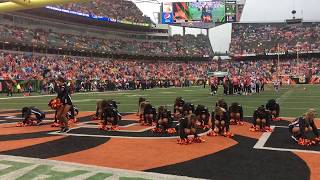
{"x": 101, "y": 41}
{"x": 263, "y": 38}
{"x": 114, "y": 72}
{"x": 28, "y": 66}
{"x": 116, "y": 9}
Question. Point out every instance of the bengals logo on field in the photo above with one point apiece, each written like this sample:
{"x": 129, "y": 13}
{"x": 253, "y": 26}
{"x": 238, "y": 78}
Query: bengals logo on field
{"x": 136, "y": 147}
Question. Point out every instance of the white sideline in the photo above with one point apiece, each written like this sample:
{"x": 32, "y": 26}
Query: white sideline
{"x": 53, "y": 95}
{"x": 110, "y": 136}
{"x": 105, "y": 92}
{"x": 265, "y": 136}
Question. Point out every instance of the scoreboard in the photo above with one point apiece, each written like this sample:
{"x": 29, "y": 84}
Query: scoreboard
{"x": 231, "y": 11}
{"x": 199, "y": 11}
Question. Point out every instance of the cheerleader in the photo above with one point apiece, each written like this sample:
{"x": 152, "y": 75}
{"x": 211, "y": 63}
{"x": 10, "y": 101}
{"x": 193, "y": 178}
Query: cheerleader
{"x": 203, "y": 116}
{"x": 164, "y": 121}
{"x": 178, "y": 108}
{"x": 141, "y": 100}
{"x": 220, "y": 122}
{"x": 261, "y": 120}
{"x": 274, "y": 108}
{"x": 71, "y": 115}
{"x": 66, "y": 104}
{"x": 149, "y": 115}
{"x": 189, "y": 126}
{"x": 236, "y": 114}
{"x": 31, "y": 116}
{"x": 187, "y": 110}
{"x": 101, "y": 105}
{"x": 111, "y": 116}
{"x": 302, "y": 126}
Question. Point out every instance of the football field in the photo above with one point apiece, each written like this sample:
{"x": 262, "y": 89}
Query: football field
{"x": 135, "y": 152}
{"x": 293, "y": 100}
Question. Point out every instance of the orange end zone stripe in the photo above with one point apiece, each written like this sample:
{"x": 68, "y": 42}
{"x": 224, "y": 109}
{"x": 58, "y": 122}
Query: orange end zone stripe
{"x": 142, "y": 154}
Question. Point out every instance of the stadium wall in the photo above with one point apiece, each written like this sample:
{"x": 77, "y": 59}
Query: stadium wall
{"x": 220, "y": 38}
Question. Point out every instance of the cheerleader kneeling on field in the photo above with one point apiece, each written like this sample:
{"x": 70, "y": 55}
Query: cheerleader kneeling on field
{"x": 178, "y": 108}
{"x": 274, "y": 109}
{"x": 220, "y": 123}
{"x": 141, "y": 100}
{"x": 303, "y": 125}
{"x": 101, "y": 106}
{"x": 149, "y": 117}
{"x": 203, "y": 116}
{"x": 261, "y": 120}
{"x": 236, "y": 114}
{"x": 189, "y": 126}
{"x": 32, "y": 116}
{"x": 111, "y": 118}
{"x": 164, "y": 121}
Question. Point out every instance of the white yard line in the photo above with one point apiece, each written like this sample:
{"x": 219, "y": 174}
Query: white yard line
{"x": 126, "y": 137}
{"x": 288, "y": 150}
{"x": 91, "y": 168}
{"x": 263, "y": 139}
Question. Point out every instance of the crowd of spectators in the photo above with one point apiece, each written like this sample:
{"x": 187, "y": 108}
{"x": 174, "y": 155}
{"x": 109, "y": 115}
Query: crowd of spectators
{"x": 119, "y": 72}
{"x": 111, "y": 74}
{"x": 177, "y": 45}
{"x": 116, "y": 9}
{"x": 262, "y": 38}
{"x": 272, "y": 69}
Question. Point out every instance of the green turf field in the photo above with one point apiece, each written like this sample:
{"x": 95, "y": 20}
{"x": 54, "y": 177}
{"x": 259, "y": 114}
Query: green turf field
{"x": 293, "y": 101}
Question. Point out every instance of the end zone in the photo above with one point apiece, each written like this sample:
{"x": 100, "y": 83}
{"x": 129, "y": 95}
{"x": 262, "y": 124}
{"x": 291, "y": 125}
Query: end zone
{"x": 15, "y": 167}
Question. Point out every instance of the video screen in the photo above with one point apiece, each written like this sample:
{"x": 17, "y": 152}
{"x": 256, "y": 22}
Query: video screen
{"x": 203, "y": 11}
